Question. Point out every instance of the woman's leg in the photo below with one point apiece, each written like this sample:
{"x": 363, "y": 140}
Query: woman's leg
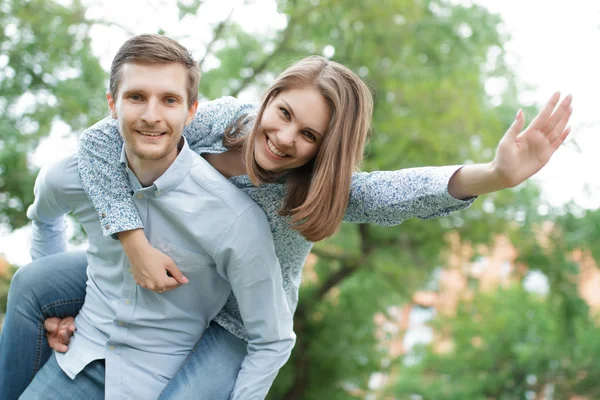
{"x": 211, "y": 368}
{"x": 52, "y": 286}
{"x": 52, "y": 383}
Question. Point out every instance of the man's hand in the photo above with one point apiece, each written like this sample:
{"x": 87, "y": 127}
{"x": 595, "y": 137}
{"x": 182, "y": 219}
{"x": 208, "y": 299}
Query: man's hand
{"x": 151, "y": 268}
{"x": 59, "y": 332}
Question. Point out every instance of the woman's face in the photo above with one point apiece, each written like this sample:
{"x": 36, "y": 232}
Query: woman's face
{"x": 292, "y": 129}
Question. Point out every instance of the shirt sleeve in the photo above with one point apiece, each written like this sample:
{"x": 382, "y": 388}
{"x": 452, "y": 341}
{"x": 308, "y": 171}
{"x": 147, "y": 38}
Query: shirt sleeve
{"x": 391, "y": 197}
{"x": 47, "y": 214}
{"x": 247, "y": 257}
{"x": 106, "y": 182}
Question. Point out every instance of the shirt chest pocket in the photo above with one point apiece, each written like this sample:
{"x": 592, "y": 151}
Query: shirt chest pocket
{"x": 205, "y": 293}
{"x": 187, "y": 261}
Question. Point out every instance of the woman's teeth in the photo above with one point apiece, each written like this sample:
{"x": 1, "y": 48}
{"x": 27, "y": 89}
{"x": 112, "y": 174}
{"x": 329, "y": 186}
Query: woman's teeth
{"x": 274, "y": 149}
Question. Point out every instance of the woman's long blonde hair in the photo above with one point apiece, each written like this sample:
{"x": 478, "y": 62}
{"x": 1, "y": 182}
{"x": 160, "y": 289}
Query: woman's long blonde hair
{"x": 318, "y": 192}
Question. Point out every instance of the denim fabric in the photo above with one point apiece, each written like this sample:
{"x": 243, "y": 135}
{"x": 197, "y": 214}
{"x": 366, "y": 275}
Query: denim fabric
{"x": 211, "y": 369}
{"x": 51, "y": 383}
{"x": 53, "y": 286}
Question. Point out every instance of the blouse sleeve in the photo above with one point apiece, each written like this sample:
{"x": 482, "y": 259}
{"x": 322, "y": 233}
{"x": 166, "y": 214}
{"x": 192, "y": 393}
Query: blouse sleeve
{"x": 106, "y": 182}
{"x": 103, "y": 178}
{"x": 391, "y": 197}
{"x": 212, "y": 119}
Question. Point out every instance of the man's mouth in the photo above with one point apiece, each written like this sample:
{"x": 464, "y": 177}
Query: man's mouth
{"x": 274, "y": 149}
{"x": 149, "y": 133}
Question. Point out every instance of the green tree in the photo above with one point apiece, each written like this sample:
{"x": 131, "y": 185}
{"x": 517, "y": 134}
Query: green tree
{"x": 47, "y": 74}
{"x": 527, "y": 341}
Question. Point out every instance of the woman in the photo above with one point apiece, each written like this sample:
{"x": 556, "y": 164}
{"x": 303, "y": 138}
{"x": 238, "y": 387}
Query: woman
{"x": 295, "y": 156}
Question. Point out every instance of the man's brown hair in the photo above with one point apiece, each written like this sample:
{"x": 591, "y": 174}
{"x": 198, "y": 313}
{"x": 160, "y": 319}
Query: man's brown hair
{"x": 155, "y": 49}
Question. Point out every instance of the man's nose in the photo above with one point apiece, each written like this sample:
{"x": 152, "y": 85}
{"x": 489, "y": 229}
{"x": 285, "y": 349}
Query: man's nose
{"x": 152, "y": 112}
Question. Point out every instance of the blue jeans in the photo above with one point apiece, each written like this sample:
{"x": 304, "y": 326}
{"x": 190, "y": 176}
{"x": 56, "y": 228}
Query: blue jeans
{"x": 54, "y": 286}
{"x": 52, "y": 383}
{"x": 211, "y": 368}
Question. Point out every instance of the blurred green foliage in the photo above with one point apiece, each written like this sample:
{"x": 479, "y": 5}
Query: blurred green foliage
{"x": 427, "y": 62}
{"x": 4, "y": 285}
{"x": 47, "y": 74}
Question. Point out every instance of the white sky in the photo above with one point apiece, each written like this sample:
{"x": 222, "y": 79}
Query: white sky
{"x": 554, "y": 46}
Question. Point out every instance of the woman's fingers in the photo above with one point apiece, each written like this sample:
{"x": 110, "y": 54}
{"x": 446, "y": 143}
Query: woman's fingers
{"x": 563, "y": 111}
{"x": 541, "y": 120}
{"x": 560, "y": 127}
{"x": 556, "y": 144}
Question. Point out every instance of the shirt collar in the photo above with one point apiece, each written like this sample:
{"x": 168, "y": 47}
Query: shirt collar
{"x": 172, "y": 176}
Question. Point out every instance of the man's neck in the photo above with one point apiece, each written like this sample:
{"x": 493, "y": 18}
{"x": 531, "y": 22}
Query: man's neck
{"x": 148, "y": 171}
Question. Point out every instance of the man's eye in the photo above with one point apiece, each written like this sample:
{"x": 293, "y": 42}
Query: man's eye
{"x": 171, "y": 100}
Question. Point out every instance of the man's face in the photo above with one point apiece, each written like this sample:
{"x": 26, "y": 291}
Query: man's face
{"x": 152, "y": 109}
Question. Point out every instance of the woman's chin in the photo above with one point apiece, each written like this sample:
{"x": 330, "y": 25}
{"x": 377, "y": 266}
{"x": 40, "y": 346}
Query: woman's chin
{"x": 268, "y": 167}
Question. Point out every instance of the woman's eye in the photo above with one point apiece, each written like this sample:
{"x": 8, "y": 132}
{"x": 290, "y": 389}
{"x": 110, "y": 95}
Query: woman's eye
{"x": 309, "y": 136}
{"x": 285, "y": 113}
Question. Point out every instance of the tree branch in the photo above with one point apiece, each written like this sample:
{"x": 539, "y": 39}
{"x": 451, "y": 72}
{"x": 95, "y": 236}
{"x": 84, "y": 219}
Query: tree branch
{"x": 301, "y": 359}
{"x": 332, "y": 253}
{"x": 350, "y": 266}
{"x": 218, "y": 32}
{"x": 257, "y": 70}
{"x": 104, "y": 22}
{"x": 344, "y": 272}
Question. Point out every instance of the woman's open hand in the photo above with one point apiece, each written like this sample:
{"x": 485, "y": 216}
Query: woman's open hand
{"x": 521, "y": 154}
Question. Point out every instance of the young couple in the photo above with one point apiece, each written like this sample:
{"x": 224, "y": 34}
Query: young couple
{"x": 294, "y": 155}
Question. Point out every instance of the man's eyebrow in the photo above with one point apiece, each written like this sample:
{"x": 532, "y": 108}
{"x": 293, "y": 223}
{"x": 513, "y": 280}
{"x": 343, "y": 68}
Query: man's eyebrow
{"x": 129, "y": 91}
{"x": 173, "y": 94}
{"x": 163, "y": 94}
{"x": 308, "y": 128}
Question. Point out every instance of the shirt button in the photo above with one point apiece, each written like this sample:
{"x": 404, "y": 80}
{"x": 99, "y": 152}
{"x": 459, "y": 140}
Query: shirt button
{"x": 140, "y": 196}
{"x": 106, "y": 227}
{"x": 127, "y": 301}
{"x": 111, "y": 347}
{"x": 103, "y": 215}
{"x": 129, "y": 269}
{"x": 121, "y": 323}
{"x": 158, "y": 193}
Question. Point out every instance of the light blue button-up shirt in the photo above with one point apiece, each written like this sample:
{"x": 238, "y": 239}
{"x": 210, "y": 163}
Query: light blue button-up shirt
{"x": 217, "y": 236}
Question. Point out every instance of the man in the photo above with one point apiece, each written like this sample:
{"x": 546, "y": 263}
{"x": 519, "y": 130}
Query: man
{"x": 130, "y": 340}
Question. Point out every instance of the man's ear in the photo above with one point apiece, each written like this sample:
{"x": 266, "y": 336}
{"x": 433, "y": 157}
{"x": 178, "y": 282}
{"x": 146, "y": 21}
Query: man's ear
{"x": 112, "y": 106}
{"x": 191, "y": 113}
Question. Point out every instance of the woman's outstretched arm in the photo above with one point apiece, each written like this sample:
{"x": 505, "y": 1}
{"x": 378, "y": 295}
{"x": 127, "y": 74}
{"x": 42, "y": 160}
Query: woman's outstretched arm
{"x": 391, "y": 197}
